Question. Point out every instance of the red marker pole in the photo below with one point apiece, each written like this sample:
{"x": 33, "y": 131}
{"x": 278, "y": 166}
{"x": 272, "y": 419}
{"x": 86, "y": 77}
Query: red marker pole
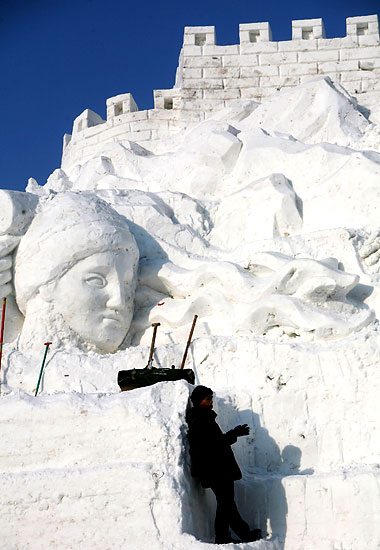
{"x": 47, "y": 344}
{"x": 2, "y": 330}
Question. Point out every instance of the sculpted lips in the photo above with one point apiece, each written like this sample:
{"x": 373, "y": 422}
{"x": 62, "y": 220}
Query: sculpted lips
{"x": 112, "y": 317}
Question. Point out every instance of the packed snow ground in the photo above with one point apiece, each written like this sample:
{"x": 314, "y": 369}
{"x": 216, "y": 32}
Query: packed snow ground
{"x": 86, "y": 467}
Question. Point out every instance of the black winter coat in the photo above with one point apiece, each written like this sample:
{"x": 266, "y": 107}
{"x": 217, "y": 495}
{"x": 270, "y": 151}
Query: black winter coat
{"x": 212, "y": 459}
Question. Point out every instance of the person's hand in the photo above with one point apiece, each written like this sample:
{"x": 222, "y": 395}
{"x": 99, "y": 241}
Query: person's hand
{"x": 242, "y": 429}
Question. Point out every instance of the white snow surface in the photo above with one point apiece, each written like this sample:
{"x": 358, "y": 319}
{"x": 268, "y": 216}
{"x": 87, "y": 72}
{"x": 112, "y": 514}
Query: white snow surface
{"x": 264, "y": 221}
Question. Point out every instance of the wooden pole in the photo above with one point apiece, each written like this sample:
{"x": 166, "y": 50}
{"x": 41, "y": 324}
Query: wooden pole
{"x": 150, "y": 360}
{"x": 2, "y": 330}
{"x": 189, "y": 341}
{"x": 47, "y": 344}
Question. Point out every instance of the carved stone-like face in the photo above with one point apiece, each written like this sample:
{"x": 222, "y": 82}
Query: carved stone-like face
{"x": 95, "y": 298}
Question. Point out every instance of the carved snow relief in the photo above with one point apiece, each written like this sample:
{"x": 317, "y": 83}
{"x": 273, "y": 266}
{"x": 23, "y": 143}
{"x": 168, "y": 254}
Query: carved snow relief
{"x": 207, "y": 217}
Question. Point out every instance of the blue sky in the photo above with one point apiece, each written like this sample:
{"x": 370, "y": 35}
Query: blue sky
{"x": 59, "y": 57}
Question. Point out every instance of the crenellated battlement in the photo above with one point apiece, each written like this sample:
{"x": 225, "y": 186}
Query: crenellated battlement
{"x": 210, "y": 77}
{"x": 258, "y": 67}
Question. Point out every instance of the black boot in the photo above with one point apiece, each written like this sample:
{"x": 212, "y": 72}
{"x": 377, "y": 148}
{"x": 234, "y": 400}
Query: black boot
{"x": 252, "y": 536}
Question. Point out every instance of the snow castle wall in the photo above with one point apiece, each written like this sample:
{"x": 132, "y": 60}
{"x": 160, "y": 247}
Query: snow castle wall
{"x": 210, "y": 77}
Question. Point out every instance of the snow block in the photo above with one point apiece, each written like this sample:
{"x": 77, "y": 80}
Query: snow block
{"x": 85, "y": 120}
{"x": 308, "y": 29}
{"x": 120, "y": 104}
{"x": 111, "y": 460}
{"x": 270, "y": 202}
{"x": 17, "y": 211}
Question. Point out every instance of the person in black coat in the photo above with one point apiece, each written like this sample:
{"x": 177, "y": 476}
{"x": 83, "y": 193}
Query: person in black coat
{"x": 213, "y": 462}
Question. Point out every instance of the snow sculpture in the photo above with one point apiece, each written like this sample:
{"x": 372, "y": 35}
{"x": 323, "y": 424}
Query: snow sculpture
{"x": 75, "y": 275}
{"x": 75, "y": 278}
{"x": 298, "y": 296}
{"x": 263, "y": 221}
{"x": 211, "y": 76}
{"x": 197, "y": 255}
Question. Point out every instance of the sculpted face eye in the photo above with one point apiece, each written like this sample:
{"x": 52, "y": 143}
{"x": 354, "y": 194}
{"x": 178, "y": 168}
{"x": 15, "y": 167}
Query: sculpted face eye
{"x": 96, "y": 280}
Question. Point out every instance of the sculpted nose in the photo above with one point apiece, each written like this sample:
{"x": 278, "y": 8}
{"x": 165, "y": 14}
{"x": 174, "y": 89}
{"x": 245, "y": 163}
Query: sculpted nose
{"x": 116, "y": 297}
